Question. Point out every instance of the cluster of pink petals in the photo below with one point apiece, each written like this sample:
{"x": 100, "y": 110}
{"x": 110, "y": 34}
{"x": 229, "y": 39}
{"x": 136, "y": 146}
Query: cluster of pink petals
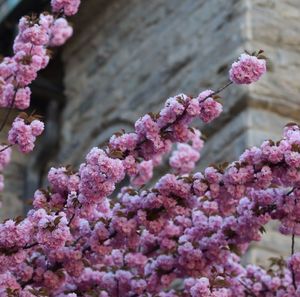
{"x": 144, "y": 173}
{"x": 98, "y": 176}
{"x": 154, "y": 135}
{"x": 61, "y": 31}
{"x": 77, "y": 241}
{"x": 184, "y": 158}
{"x": 247, "y": 69}
{"x": 24, "y": 134}
{"x": 68, "y": 7}
{"x": 30, "y": 56}
{"x": 184, "y": 225}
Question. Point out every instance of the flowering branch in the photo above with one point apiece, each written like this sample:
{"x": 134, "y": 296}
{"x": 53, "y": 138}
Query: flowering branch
{"x": 77, "y": 241}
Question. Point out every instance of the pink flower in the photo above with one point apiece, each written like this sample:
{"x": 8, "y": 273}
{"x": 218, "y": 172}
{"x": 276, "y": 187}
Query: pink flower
{"x": 24, "y": 135}
{"x": 7, "y": 91}
{"x": 35, "y": 34}
{"x": 22, "y": 99}
{"x": 127, "y": 141}
{"x": 173, "y": 108}
{"x": 37, "y": 127}
{"x": 144, "y": 173}
{"x": 60, "y": 32}
{"x": 183, "y": 159}
{"x": 247, "y": 69}
{"x": 209, "y": 108}
{"x": 69, "y": 7}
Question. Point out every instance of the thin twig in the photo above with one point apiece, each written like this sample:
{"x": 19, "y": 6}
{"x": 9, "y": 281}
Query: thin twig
{"x": 293, "y": 252}
{"x": 118, "y": 289}
{"x": 71, "y": 219}
{"x": 293, "y": 245}
{"x": 30, "y": 246}
{"x": 290, "y": 192}
{"x": 202, "y": 100}
{"x": 292, "y": 270}
{"x": 221, "y": 89}
{"x": 250, "y": 292}
{"x": 247, "y": 289}
{"x": 5, "y": 148}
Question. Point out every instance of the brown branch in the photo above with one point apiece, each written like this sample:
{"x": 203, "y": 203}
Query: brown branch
{"x": 183, "y": 114}
{"x": 6, "y": 147}
{"x": 293, "y": 251}
{"x": 293, "y": 245}
{"x": 71, "y": 219}
{"x": 221, "y": 89}
{"x": 292, "y": 270}
{"x": 184, "y": 111}
{"x": 249, "y": 291}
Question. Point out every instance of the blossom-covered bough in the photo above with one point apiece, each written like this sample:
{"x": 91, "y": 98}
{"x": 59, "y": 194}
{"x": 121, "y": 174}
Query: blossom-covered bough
{"x": 182, "y": 237}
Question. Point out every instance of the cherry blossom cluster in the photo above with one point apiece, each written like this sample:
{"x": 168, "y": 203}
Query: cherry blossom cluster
{"x": 181, "y": 237}
{"x": 248, "y": 68}
{"x": 188, "y": 228}
{"x": 155, "y": 133}
{"x": 184, "y": 158}
{"x": 35, "y": 36}
{"x": 23, "y": 133}
{"x": 68, "y": 7}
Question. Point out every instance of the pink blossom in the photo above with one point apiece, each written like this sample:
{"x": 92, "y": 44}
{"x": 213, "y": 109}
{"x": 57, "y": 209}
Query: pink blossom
{"x": 69, "y": 7}
{"x": 184, "y": 158}
{"x": 60, "y": 32}
{"x": 247, "y": 69}
{"x": 35, "y": 34}
{"x": 144, "y": 173}
{"x": 209, "y": 109}
{"x": 24, "y": 134}
{"x": 22, "y": 98}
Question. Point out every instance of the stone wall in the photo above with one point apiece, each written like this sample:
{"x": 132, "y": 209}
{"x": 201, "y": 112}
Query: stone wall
{"x": 127, "y": 57}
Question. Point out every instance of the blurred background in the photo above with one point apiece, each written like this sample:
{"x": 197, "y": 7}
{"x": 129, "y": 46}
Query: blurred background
{"x": 127, "y": 57}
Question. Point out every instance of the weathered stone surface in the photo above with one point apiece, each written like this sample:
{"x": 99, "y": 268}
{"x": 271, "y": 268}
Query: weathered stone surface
{"x": 145, "y": 52}
{"x": 275, "y": 27}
